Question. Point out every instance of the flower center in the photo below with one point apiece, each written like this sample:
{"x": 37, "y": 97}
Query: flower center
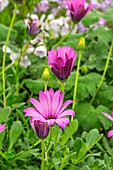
{"x": 51, "y": 117}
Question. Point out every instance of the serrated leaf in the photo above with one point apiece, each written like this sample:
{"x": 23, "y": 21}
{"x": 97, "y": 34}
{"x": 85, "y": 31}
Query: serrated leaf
{"x": 15, "y": 132}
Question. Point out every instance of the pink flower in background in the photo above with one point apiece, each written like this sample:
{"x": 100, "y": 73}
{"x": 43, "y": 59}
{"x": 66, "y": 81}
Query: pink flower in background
{"x": 2, "y": 127}
{"x": 110, "y": 133}
{"x": 33, "y": 26}
{"x": 78, "y": 10}
{"x": 62, "y": 61}
{"x": 48, "y": 111}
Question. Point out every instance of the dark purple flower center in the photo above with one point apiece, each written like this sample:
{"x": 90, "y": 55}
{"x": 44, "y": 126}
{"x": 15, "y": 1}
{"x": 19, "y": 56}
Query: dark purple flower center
{"x": 51, "y": 117}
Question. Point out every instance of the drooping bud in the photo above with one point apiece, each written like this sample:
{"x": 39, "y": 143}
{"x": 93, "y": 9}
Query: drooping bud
{"x": 81, "y": 44}
{"x": 41, "y": 129}
{"x": 46, "y": 74}
{"x": 33, "y": 26}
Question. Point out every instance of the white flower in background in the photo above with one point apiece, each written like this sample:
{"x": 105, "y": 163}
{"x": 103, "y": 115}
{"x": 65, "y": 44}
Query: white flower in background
{"x": 14, "y": 56}
{"x": 3, "y": 4}
{"x": 30, "y": 49}
{"x": 41, "y": 51}
{"x": 8, "y": 50}
{"x": 25, "y": 62}
{"x": 40, "y": 39}
{"x": 60, "y": 26}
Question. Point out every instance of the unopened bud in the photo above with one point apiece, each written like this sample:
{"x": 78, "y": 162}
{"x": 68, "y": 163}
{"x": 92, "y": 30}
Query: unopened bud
{"x": 41, "y": 129}
{"x": 84, "y": 70}
{"x": 81, "y": 44}
{"x": 46, "y": 74}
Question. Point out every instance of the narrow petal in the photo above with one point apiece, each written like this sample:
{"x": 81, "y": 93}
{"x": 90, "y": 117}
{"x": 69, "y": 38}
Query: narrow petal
{"x": 32, "y": 112}
{"x": 44, "y": 103}
{"x": 60, "y": 104}
{"x": 56, "y": 72}
{"x": 49, "y": 101}
{"x": 108, "y": 116}
{"x": 110, "y": 133}
{"x": 50, "y": 122}
{"x": 66, "y": 113}
{"x": 65, "y": 120}
{"x": 55, "y": 102}
{"x": 65, "y": 105}
{"x": 60, "y": 123}
{"x": 2, "y": 127}
{"x": 38, "y": 106}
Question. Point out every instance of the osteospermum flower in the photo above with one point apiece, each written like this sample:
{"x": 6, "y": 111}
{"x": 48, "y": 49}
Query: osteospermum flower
{"x": 33, "y": 26}
{"x": 2, "y": 127}
{"x": 62, "y": 61}
{"x": 78, "y": 10}
{"x": 48, "y": 111}
{"x": 110, "y": 133}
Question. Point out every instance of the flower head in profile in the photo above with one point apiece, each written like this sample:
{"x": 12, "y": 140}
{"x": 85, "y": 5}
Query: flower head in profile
{"x": 33, "y": 26}
{"x": 78, "y": 10}
{"x": 48, "y": 111}
{"x": 2, "y": 127}
{"x": 110, "y": 133}
{"x": 62, "y": 61}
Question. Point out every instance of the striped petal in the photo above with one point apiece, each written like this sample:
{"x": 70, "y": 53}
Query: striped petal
{"x": 66, "y": 113}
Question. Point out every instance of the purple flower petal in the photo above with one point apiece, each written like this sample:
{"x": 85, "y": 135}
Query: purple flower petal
{"x": 108, "y": 116}
{"x": 60, "y": 123}
{"x": 110, "y": 133}
{"x": 66, "y": 113}
{"x": 65, "y": 105}
{"x": 2, "y": 127}
{"x": 38, "y": 106}
{"x": 33, "y": 112}
{"x": 50, "y": 122}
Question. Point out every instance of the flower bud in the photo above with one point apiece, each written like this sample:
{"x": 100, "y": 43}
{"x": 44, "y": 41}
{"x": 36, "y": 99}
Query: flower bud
{"x": 33, "y": 27}
{"x": 81, "y": 44}
{"x": 46, "y": 74}
{"x": 84, "y": 70}
{"x": 41, "y": 129}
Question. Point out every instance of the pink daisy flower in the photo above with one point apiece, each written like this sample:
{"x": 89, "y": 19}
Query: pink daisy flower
{"x": 78, "y": 10}
{"x": 48, "y": 111}
{"x": 62, "y": 61}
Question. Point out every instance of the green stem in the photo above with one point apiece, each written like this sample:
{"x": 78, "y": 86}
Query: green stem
{"x": 45, "y": 85}
{"x": 61, "y": 86}
{"x": 76, "y": 80}
{"x": 4, "y": 56}
{"x": 63, "y": 38}
{"x": 104, "y": 73}
{"x": 43, "y": 153}
{"x": 18, "y": 64}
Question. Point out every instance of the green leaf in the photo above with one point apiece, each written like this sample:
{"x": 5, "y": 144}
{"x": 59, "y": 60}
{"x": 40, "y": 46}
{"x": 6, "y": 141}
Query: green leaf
{"x": 69, "y": 131}
{"x": 4, "y": 31}
{"x": 2, "y": 135}
{"x": 81, "y": 149}
{"x": 92, "y": 138}
{"x": 4, "y": 114}
{"x": 8, "y": 155}
{"x": 34, "y": 85}
{"x": 15, "y": 132}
